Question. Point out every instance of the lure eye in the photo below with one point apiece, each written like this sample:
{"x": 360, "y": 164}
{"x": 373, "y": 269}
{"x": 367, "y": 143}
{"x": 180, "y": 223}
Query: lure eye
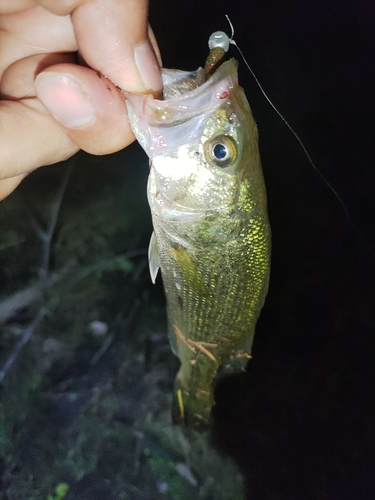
{"x": 221, "y": 151}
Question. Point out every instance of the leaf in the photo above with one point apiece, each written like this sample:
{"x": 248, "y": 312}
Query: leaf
{"x": 61, "y": 490}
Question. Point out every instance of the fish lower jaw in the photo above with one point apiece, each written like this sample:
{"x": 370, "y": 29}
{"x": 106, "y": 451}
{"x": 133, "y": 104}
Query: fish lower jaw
{"x": 174, "y": 213}
{"x": 169, "y": 209}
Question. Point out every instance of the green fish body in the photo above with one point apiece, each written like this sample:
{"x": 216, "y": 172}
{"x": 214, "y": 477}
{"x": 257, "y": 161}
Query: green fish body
{"x": 211, "y": 230}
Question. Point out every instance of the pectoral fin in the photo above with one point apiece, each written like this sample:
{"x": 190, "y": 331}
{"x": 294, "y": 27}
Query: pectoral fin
{"x": 153, "y": 258}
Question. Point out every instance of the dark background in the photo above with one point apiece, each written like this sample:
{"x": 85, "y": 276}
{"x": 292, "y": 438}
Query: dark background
{"x": 300, "y": 422}
{"x": 301, "y": 425}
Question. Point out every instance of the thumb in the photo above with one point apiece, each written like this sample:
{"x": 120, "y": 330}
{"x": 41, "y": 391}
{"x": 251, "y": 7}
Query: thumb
{"x": 88, "y": 106}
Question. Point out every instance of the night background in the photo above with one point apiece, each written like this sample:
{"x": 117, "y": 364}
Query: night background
{"x": 85, "y": 399}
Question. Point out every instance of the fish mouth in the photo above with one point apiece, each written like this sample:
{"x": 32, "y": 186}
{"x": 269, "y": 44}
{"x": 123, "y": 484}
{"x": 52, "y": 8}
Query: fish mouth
{"x": 187, "y": 100}
{"x": 161, "y": 125}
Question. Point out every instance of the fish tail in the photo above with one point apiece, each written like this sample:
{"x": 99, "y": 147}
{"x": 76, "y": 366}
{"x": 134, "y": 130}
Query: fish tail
{"x": 193, "y": 389}
{"x": 192, "y": 409}
{"x": 193, "y": 397}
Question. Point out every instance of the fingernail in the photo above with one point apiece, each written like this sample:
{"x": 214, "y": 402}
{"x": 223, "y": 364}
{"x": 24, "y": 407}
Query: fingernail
{"x": 148, "y": 67}
{"x": 64, "y": 99}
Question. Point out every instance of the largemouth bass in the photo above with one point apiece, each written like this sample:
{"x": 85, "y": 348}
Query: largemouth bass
{"x": 211, "y": 231}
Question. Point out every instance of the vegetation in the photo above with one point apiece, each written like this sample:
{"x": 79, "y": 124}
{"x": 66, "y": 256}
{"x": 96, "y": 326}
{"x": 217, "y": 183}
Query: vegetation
{"x": 85, "y": 367}
{"x": 61, "y": 490}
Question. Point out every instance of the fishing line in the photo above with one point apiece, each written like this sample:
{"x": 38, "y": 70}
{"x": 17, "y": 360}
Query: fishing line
{"x": 221, "y": 39}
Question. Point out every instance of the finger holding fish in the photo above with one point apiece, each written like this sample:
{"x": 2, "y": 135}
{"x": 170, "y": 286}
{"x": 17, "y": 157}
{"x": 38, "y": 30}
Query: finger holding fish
{"x": 69, "y": 106}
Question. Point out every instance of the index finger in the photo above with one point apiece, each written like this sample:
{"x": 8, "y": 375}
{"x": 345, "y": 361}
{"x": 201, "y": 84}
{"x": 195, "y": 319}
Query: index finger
{"x": 112, "y": 36}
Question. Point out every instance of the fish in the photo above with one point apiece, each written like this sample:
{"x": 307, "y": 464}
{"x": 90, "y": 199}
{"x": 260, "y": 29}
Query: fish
{"x": 212, "y": 237}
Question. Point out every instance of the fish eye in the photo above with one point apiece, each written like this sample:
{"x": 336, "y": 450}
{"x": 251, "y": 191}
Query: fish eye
{"x": 221, "y": 151}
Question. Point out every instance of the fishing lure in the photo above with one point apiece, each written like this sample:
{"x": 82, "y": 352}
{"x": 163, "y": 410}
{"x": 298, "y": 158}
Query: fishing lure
{"x": 211, "y": 235}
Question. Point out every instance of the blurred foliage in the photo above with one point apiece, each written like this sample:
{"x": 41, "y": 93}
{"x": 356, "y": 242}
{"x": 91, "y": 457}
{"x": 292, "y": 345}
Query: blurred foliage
{"x": 61, "y": 490}
{"x": 86, "y": 404}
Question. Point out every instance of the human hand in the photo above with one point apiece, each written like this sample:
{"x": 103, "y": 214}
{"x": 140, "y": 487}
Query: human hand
{"x": 51, "y": 104}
